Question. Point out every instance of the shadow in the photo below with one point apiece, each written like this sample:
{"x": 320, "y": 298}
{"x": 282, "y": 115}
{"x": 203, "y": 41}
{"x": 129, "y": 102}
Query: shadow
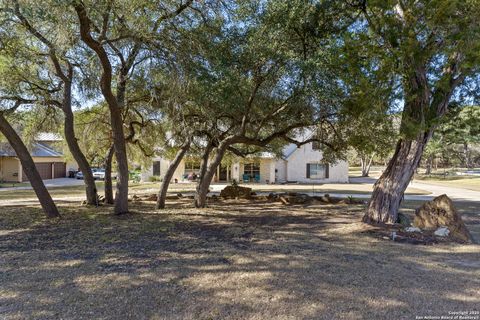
{"x": 240, "y": 260}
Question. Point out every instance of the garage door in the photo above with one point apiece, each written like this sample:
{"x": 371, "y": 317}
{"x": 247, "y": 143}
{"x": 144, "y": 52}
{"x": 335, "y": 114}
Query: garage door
{"x": 60, "y": 170}
{"x": 45, "y": 170}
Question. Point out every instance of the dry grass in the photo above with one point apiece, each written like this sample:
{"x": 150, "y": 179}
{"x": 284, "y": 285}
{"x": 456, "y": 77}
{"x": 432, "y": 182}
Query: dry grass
{"x": 465, "y": 182}
{"x": 234, "y": 260}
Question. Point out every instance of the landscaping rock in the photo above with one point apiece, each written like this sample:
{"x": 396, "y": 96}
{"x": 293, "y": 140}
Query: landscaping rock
{"x": 233, "y": 192}
{"x": 404, "y": 220}
{"x": 300, "y": 199}
{"x": 440, "y": 212}
{"x": 294, "y": 198}
{"x": 412, "y": 229}
{"x": 442, "y": 232}
{"x": 213, "y": 197}
{"x": 152, "y": 197}
{"x": 326, "y": 198}
{"x": 284, "y": 200}
{"x": 272, "y": 196}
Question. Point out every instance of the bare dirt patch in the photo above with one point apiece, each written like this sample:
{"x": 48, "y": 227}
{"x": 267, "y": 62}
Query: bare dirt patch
{"x": 236, "y": 259}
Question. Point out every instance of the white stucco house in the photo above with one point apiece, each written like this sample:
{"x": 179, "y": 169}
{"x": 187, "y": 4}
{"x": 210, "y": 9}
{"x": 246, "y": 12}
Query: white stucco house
{"x": 302, "y": 165}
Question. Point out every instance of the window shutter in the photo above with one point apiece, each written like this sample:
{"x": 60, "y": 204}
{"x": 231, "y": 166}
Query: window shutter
{"x": 156, "y": 168}
{"x": 308, "y": 170}
{"x": 327, "y": 171}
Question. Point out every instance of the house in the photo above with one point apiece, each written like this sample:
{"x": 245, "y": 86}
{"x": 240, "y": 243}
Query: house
{"x": 50, "y": 163}
{"x": 302, "y": 165}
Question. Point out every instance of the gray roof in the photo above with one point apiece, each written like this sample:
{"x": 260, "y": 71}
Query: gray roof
{"x": 303, "y": 135}
{"x": 41, "y": 150}
{"x": 37, "y": 150}
{"x": 6, "y": 150}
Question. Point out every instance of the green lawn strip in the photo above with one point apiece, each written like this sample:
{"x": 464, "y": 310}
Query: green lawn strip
{"x": 465, "y": 182}
{"x": 13, "y": 184}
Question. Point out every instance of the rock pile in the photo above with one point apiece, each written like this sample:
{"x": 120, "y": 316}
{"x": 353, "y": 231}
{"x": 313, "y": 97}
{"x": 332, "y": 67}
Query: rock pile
{"x": 440, "y": 215}
{"x": 236, "y": 192}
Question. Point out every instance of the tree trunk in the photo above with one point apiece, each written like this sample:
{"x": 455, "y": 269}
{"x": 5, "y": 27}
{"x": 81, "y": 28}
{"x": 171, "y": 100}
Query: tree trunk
{"x": 204, "y": 182}
{"x": 28, "y": 165}
{"x": 162, "y": 193}
{"x": 69, "y": 131}
{"x": 466, "y": 155}
{"x": 115, "y": 107}
{"x": 428, "y": 169}
{"x": 366, "y": 162}
{"x": 121, "y": 194}
{"x": 390, "y": 187}
{"x": 108, "y": 186}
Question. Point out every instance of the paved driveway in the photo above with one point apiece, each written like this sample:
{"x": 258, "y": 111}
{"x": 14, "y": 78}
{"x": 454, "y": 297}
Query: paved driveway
{"x": 457, "y": 194}
{"x": 60, "y": 182}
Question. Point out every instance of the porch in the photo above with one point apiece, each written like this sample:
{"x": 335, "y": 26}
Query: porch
{"x": 254, "y": 171}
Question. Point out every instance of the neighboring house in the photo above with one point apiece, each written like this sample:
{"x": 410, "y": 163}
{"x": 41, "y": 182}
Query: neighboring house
{"x": 303, "y": 165}
{"x": 50, "y": 163}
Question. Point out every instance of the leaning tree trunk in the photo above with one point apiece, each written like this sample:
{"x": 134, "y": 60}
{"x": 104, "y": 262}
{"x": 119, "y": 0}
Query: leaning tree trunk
{"x": 72, "y": 142}
{"x": 206, "y": 179}
{"x": 162, "y": 193}
{"x": 390, "y": 187}
{"x": 108, "y": 185}
{"x": 30, "y": 169}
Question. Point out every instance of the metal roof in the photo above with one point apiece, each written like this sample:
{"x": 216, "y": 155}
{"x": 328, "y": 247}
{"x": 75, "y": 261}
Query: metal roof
{"x": 6, "y": 150}
{"x": 48, "y": 136}
{"x": 37, "y": 150}
{"x": 289, "y": 149}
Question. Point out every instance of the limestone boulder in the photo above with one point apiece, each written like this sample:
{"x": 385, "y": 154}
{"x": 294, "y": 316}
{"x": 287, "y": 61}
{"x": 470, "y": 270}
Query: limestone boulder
{"x": 442, "y": 232}
{"x": 151, "y": 197}
{"x": 233, "y": 192}
{"x": 440, "y": 212}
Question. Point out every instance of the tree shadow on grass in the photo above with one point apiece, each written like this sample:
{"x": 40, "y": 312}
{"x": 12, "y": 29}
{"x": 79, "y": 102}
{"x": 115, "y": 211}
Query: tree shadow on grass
{"x": 248, "y": 261}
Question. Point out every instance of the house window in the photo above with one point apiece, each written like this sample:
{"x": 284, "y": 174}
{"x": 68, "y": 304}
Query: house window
{"x": 252, "y": 169}
{"x": 317, "y": 171}
{"x": 156, "y": 168}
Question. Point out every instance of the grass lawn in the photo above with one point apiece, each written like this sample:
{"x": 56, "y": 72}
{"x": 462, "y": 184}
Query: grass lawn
{"x": 465, "y": 182}
{"x": 233, "y": 260}
{"x": 13, "y": 184}
{"x": 357, "y": 171}
{"x": 79, "y": 191}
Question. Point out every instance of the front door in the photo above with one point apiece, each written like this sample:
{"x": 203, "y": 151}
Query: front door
{"x": 223, "y": 174}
